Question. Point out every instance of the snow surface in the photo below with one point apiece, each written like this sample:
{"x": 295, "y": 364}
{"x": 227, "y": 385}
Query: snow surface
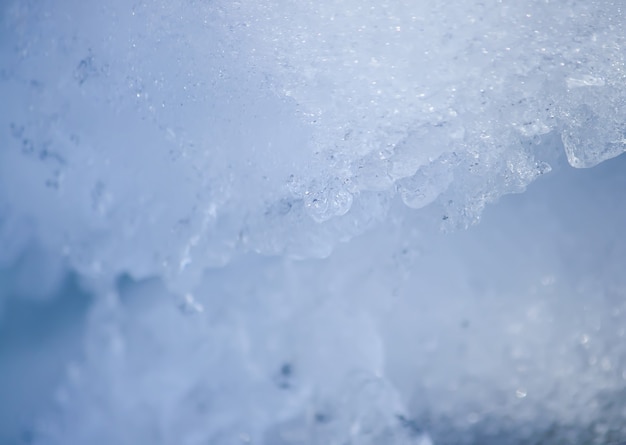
{"x": 255, "y": 222}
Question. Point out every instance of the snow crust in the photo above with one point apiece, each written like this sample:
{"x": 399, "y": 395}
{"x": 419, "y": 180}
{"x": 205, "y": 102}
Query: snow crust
{"x": 163, "y": 138}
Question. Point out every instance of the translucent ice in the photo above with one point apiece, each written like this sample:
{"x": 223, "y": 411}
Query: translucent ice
{"x": 204, "y": 129}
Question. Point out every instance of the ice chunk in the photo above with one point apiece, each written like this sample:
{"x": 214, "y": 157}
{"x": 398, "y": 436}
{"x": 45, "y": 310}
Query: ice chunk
{"x": 346, "y": 101}
{"x": 588, "y": 139}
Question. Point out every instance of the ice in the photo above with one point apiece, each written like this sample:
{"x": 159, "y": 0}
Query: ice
{"x": 253, "y": 116}
{"x": 274, "y": 208}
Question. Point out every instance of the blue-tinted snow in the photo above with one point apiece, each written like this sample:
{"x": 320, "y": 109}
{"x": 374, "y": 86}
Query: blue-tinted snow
{"x": 237, "y": 222}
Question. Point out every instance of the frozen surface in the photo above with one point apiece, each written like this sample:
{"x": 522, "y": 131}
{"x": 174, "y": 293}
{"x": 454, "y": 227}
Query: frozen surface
{"x": 253, "y": 193}
{"x": 164, "y": 138}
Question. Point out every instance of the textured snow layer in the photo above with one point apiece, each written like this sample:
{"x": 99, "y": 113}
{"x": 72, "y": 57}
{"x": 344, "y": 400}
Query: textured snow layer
{"x": 165, "y": 137}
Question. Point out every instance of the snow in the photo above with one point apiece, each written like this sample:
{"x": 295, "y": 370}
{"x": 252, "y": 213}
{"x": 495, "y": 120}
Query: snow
{"x": 285, "y": 215}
